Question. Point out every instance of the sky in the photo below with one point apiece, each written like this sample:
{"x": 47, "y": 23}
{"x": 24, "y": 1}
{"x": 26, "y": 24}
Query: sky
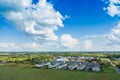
{"x": 59, "y": 25}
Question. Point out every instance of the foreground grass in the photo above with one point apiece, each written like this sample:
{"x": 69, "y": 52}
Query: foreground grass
{"x": 22, "y": 73}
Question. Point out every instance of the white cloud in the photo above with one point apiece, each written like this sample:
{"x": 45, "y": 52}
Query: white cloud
{"x": 38, "y": 20}
{"x": 114, "y": 1}
{"x": 28, "y": 46}
{"x": 38, "y": 46}
{"x": 14, "y": 5}
{"x": 32, "y": 45}
{"x": 113, "y": 7}
{"x": 87, "y": 44}
{"x": 8, "y": 45}
{"x": 113, "y": 38}
{"x": 95, "y": 36}
{"x": 67, "y": 41}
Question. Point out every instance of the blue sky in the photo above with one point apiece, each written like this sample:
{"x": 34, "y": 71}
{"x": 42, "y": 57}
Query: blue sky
{"x": 59, "y": 25}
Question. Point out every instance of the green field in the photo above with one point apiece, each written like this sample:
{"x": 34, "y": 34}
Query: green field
{"x": 22, "y": 73}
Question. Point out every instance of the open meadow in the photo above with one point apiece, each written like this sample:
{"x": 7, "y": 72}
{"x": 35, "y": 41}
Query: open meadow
{"x": 25, "y": 73}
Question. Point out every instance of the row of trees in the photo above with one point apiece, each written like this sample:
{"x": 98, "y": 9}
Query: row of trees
{"x": 27, "y": 58}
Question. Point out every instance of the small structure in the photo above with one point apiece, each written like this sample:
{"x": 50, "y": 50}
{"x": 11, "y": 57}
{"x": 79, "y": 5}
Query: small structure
{"x": 62, "y": 66}
{"x": 96, "y": 68}
{"x": 117, "y": 69}
{"x": 42, "y": 64}
{"x": 81, "y": 67}
{"x": 64, "y": 59}
{"x": 93, "y": 66}
{"x": 116, "y": 58}
{"x": 72, "y": 66}
{"x": 55, "y": 64}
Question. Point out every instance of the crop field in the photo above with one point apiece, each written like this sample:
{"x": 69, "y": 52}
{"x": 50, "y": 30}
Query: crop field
{"x": 25, "y": 73}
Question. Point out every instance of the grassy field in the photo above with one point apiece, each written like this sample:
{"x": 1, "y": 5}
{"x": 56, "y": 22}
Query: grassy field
{"x": 22, "y": 73}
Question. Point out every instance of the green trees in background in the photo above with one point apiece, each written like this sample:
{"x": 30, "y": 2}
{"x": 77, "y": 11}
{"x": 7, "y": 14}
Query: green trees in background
{"x": 38, "y": 58}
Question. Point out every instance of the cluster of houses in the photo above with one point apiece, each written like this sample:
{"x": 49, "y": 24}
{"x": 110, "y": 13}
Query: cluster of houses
{"x": 72, "y": 63}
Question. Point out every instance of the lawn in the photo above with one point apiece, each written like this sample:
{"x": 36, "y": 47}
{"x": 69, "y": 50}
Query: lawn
{"x": 22, "y": 73}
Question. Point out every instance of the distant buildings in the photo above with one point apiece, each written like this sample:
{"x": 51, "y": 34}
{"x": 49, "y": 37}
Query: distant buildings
{"x": 117, "y": 69}
{"x": 72, "y": 63}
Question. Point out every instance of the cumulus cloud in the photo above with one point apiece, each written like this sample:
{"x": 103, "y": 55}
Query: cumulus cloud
{"x": 38, "y": 20}
{"x": 113, "y": 7}
{"x": 111, "y": 38}
{"x": 67, "y": 41}
{"x": 87, "y": 44}
{"x": 114, "y": 36}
